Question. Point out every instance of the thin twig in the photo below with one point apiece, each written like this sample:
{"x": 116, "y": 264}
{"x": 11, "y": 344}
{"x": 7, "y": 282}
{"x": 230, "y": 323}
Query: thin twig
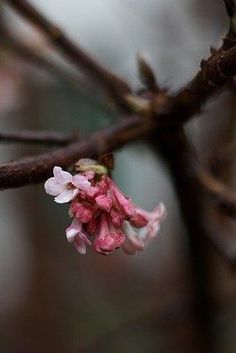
{"x": 37, "y": 137}
{"x": 36, "y": 169}
{"x": 224, "y": 197}
{"x": 37, "y": 59}
{"x": 113, "y": 84}
{"x": 215, "y": 73}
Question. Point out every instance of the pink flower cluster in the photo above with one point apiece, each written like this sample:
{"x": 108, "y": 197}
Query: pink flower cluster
{"x": 102, "y": 215}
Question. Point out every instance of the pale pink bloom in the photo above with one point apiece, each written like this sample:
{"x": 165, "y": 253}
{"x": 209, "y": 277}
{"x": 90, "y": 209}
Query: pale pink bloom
{"x": 117, "y": 217}
{"x": 91, "y": 226}
{"x": 133, "y": 241}
{"x": 154, "y": 219}
{"x": 77, "y": 237}
{"x": 125, "y": 204}
{"x": 101, "y": 210}
{"x": 84, "y": 213}
{"x": 136, "y": 240}
{"x": 108, "y": 238}
{"x": 65, "y": 186}
{"x": 104, "y": 202}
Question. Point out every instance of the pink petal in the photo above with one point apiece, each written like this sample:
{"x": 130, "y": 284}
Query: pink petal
{"x": 92, "y": 192}
{"x": 117, "y": 217}
{"x": 73, "y": 230}
{"x": 52, "y": 187}
{"x": 125, "y": 204}
{"x": 104, "y": 202}
{"x": 65, "y": 196}
{"x": 81, "y": 182}
{"x": 91, "y": 226}
{"x": 61, "y": 176}
{"x": 89, "y": 175}
{"x": 139, "y": 220}
{"x": 80, "y": 246}
{"x": 74, "y": 207}
{"x": 80, "y": 243}
{"x": 133, "y": 241}
{"x": 108, "y": 238}
{"x": 84, "y": 214}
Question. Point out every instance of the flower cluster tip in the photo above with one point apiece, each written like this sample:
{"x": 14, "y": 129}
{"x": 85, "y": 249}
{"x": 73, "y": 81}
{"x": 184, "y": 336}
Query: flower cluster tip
{"x": 103, "y": 217}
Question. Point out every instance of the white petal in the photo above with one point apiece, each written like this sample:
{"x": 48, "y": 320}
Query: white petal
{"x": 133, "y": 241}
{"x": 52, "y": 187}
{"x": 159, "y": 212}
{"x": 80, "y": 246}
{"x": 153, "y": 229}
{"x": 70, "y": 234}
{"x": 73, "y": 230}
{"x": 65, "y": 196}
{"x": 81, "y": 182}
{"x": 61, "y": 176}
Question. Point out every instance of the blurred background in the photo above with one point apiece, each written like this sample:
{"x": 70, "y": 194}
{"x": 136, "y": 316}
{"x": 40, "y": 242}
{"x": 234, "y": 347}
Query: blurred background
{"x": 51, "y": 298}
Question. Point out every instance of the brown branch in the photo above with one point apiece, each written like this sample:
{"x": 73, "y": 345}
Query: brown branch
{"x": 113, "y": 84}
{"x": 178, "y": 155}
{"x": 224, "y": 242}
{"x": 192, "y": 183}
{"x": 224, "y": 197}
{"x": 36, "y": 169}
{"x": 147, "y": 76}
{"x": 225, "y": 155}
{"x": 230, "y": 7}
{"x": 37, "y": 137}
{"x": 215, "y": 73}
{"x": 36, "y": 59}
{"x": 230, "y": 40}
{"x": 169, "y": 109}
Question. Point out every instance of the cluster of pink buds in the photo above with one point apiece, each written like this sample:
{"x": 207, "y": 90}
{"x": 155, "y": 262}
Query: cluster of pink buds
{"x": 102, "y": 215}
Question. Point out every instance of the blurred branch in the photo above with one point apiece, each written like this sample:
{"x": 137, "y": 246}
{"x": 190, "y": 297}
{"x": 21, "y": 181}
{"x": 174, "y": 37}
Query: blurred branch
{"x": 230, "y": 40}
{"x": 179, "y": 158}
{"x": 223, "y": 196}
{"x": 36, "y": 59}
{"x": 36, "y": 169}
{"x": 230, "y": 7}
{"x": 164, "y": 110}
{"x": 224, "y": 242}
{"x": 73, "y": 52}
{"x": 147, "y": 75}
{"x": 38, "y": 137}
{"x": 215, "y": 73}
{"x": 225, "y": 155}
{"x": 168, "y": 110}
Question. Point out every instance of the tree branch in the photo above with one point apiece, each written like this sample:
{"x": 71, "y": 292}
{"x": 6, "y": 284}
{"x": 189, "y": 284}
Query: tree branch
{"x": 223, "y": 196}
{"x": 37, "y": 137}
{"x": 36, "y": 169}
{"x": 37, "y": 59}
{"x": 230, "y": 7}
{"x": 113, "y": 84}
{"x": 215, "y": 73}
{"x": 225, "y": 155}
{"x": 178, "y": 155}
